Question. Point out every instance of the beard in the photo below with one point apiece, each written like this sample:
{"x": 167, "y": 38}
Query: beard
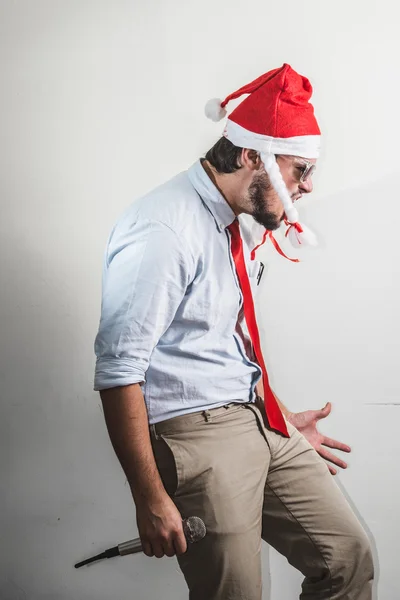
{"x": 258, "y": 190}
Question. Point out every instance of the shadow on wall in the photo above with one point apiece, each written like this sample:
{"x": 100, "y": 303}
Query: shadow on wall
{"x": 370, "y": 536}
{"x": 339, "y": 307}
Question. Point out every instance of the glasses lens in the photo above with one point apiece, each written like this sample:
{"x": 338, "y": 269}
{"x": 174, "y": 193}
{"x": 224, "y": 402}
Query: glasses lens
{"x": 308, "y": 172}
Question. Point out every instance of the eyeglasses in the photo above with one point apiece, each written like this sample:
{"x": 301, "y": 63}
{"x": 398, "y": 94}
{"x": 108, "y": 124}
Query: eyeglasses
{"x": 307, "y": 170}
{"x": 305, "y": 167}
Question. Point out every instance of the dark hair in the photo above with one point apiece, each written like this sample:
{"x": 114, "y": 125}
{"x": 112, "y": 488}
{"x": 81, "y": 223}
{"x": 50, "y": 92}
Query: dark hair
{"x": 224, "y": 156}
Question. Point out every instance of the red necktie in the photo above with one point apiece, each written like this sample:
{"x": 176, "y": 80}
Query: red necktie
{"x": 274, "y": 414}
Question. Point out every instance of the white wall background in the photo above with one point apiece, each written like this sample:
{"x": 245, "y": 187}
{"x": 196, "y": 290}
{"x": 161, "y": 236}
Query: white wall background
{"x": 102, "y": 100}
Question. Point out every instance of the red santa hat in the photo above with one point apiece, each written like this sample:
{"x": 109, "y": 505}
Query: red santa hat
{"x": 275, "y": 118}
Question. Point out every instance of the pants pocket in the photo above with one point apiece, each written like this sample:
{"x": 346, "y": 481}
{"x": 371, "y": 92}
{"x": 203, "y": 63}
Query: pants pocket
{"x": 166, "y": 454}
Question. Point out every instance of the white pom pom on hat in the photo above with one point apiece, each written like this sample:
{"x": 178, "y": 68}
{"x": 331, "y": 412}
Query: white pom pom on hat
{"x": 301, "y": 236}
{"x": 214, "y": 110}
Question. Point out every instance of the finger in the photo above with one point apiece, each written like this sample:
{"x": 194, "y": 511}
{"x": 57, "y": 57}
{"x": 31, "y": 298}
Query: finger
{"x": 147, "y": 549}
{"x": 332, "y": 458}
{"x": 168, "y": 547}
{"x": 180, "y": 543}
{"x": 332, "y": 469}
{"x": 324, "y": 412}
{"x": 158, "y": 550}
{"x": 335, "y": 444}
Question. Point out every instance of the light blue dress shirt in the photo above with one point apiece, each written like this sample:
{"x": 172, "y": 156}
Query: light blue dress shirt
{"x": 172, "y": 316}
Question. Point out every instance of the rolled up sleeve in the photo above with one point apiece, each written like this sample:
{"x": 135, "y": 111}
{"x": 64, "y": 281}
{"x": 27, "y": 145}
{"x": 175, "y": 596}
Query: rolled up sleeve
{"x": 146, "y": 274}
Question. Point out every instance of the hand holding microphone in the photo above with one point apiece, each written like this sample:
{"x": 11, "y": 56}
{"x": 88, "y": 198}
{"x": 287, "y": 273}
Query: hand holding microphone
{"x": 160, "y": 526}
{"x": 193, "y": 528}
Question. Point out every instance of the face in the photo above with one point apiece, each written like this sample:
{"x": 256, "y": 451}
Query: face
{"x": 267, "y": 208}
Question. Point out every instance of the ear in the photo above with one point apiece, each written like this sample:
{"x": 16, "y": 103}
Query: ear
{"x": 251, "y": 159}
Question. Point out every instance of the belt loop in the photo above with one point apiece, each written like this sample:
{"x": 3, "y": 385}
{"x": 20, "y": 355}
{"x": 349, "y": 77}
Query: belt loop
{"x": 153, "y": 431}
{"x": 207, "y": 415}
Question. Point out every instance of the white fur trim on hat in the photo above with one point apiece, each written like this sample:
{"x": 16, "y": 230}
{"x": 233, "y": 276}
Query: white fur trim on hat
{"x": 307, "y": 146}
{"x": 275, "y": 175}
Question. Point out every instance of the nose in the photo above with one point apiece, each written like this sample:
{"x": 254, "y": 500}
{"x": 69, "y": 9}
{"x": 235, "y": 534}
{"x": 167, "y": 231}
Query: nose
{"x": 306, "y": 186}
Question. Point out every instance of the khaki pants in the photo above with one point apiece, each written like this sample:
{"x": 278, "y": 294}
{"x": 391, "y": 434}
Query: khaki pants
{"x": 249, "y": 483}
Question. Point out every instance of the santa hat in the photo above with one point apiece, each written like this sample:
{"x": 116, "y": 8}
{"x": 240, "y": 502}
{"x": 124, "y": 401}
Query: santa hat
{"x": 275, "y": 118}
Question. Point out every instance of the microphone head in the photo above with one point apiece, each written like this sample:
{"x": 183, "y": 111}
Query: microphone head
{"x": 194, "y": 529}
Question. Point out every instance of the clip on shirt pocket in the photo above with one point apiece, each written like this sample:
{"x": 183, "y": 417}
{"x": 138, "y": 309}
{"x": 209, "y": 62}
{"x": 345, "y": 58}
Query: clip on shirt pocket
{"x": 260, "y": 272}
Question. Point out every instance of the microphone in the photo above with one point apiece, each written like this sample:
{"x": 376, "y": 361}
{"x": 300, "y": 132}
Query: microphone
{"x": 193, "y": 528}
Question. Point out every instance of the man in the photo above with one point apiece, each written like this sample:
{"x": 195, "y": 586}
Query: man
{"x": 185, "y": 391}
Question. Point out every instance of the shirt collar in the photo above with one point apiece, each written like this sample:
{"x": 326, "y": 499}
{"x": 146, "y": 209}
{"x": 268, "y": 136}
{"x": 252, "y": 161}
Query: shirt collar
{"x": 211, "y": 196}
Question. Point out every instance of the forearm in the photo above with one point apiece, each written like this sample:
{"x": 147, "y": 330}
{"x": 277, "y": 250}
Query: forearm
{"x": 127, "y": 423}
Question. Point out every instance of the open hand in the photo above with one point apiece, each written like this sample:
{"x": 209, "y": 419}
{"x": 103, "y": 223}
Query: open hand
{"x": 306, "y": 422}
